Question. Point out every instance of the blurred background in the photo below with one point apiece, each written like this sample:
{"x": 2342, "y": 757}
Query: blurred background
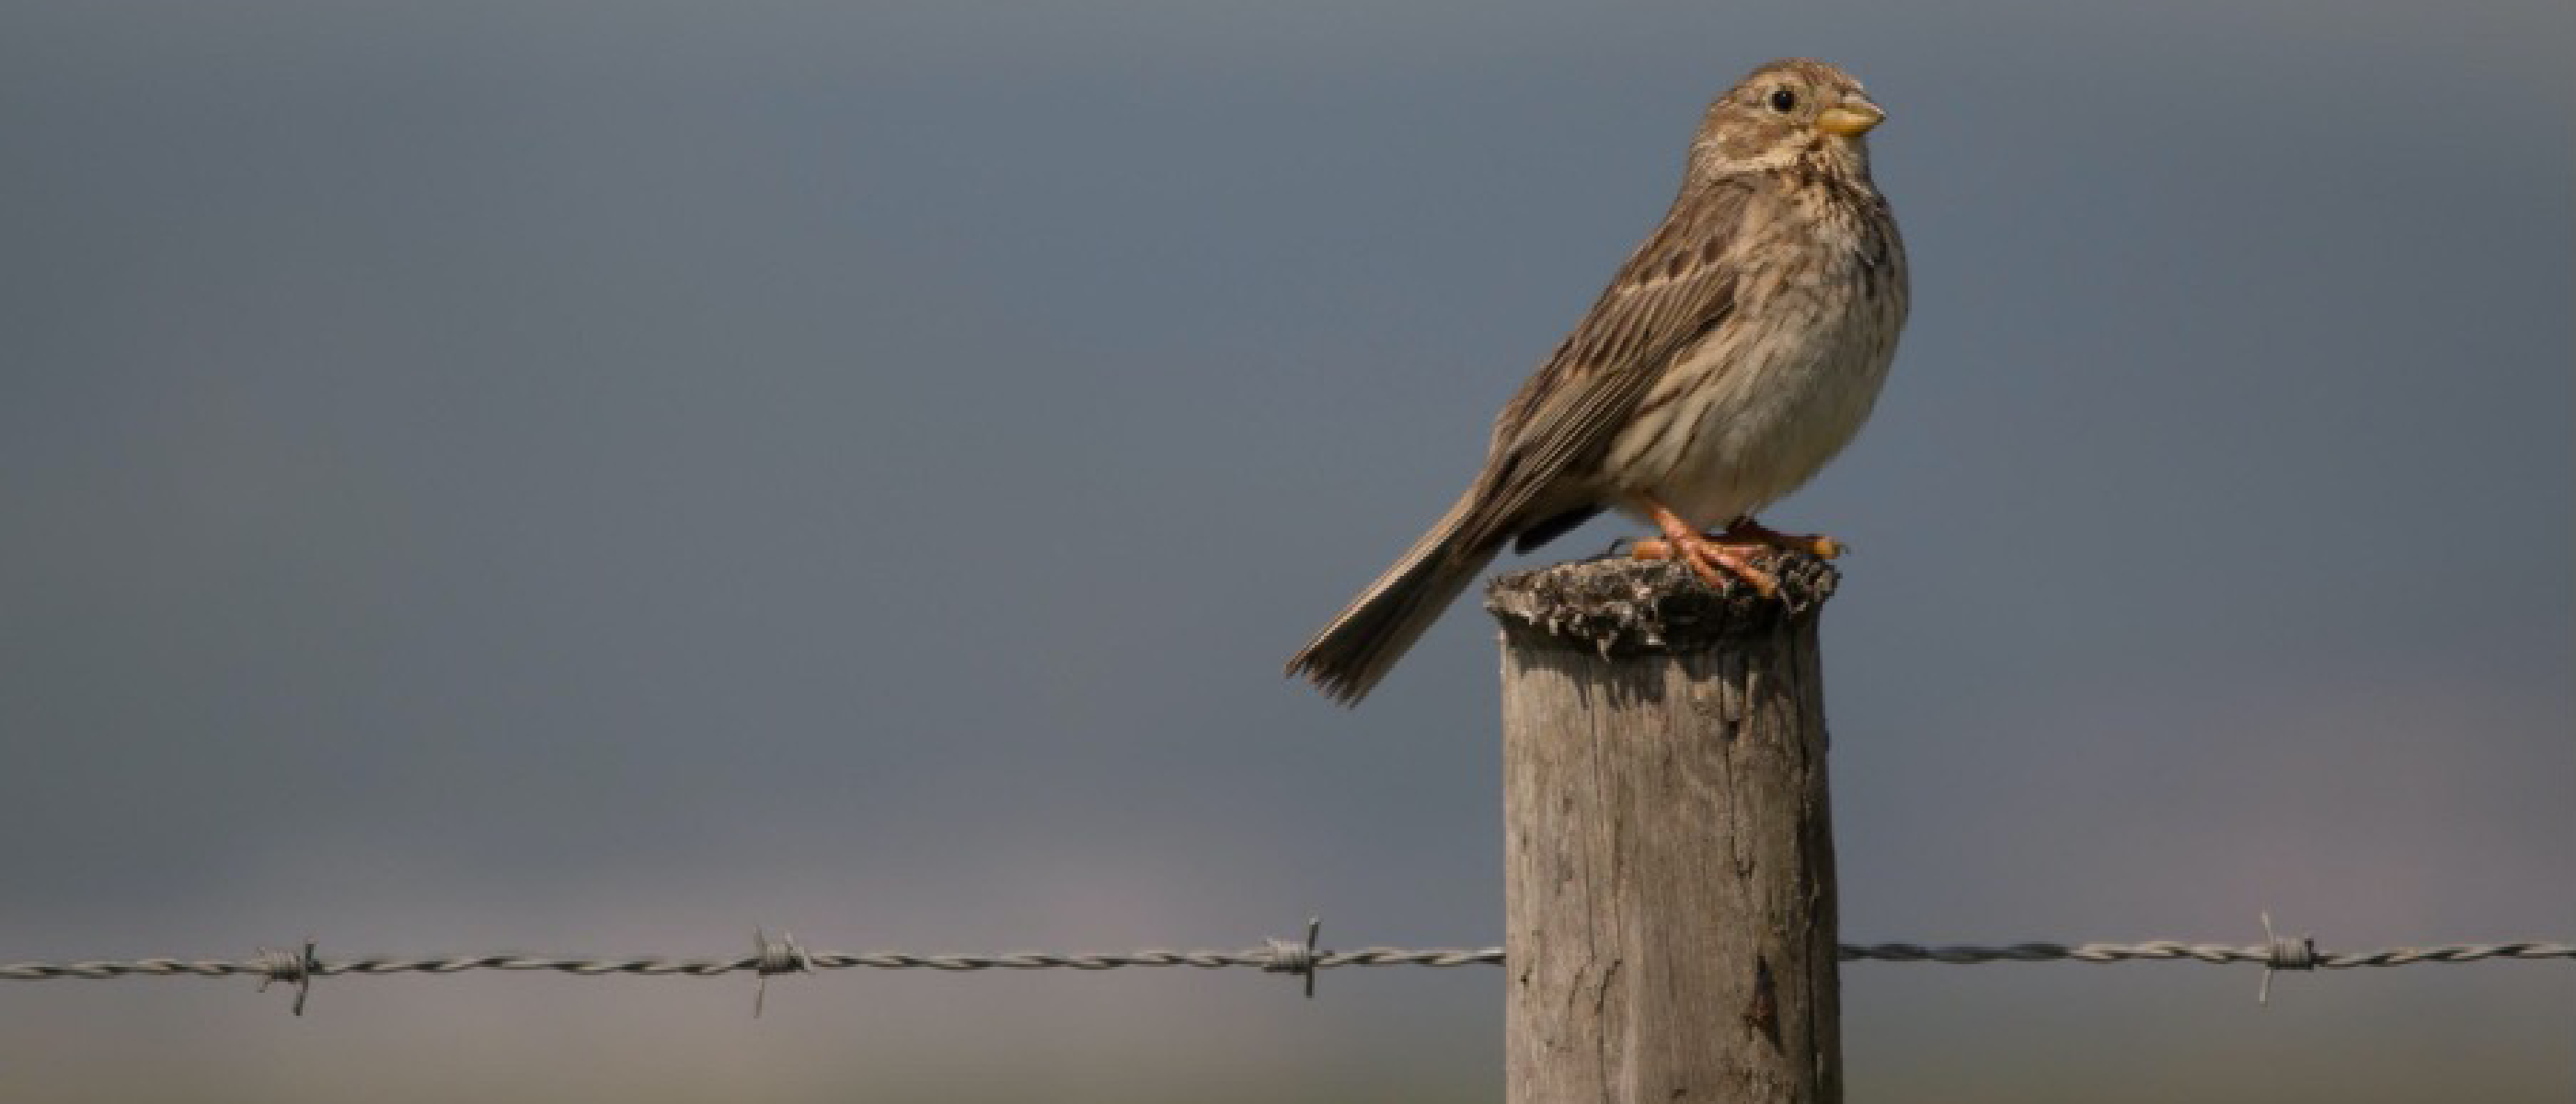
{"x": 591, "y": 478}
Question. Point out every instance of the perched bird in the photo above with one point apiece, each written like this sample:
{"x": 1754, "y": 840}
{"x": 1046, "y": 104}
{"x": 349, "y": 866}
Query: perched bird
{"x": 1738, "y": 349}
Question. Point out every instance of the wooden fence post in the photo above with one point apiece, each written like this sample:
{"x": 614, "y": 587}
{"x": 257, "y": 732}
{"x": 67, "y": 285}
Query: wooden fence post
{"x": 1668, "y": 848}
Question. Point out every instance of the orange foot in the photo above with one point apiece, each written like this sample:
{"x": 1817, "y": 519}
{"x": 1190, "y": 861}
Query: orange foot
{"x": 1745, "y": 530}
{"x": 1711, "y": 558}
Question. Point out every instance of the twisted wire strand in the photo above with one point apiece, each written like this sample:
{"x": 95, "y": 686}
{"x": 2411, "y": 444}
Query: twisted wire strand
{"x": 1268, "y": 958}
{"x": 2273, "y": 956}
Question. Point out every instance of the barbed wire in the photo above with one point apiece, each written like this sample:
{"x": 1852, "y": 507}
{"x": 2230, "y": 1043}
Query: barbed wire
{"x": 769, "y": 957}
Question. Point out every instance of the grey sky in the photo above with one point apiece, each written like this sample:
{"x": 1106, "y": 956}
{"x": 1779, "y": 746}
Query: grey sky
{"x": 594, "y": 477}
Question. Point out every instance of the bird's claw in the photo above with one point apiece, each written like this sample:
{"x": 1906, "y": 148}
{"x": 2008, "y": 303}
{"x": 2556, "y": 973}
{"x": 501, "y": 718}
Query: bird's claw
{"x": 1716, "y": 563}
{"x": 1745, "y": 530}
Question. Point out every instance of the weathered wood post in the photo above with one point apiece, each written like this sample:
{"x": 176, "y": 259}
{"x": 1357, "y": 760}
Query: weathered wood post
{"x": 1668, "y": 849}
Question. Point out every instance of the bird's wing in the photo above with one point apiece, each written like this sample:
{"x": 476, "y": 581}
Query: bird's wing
{"x": 1679, "y": 285}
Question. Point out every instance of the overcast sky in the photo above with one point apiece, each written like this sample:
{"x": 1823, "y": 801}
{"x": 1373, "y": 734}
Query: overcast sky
{"x": 591, "y": 478}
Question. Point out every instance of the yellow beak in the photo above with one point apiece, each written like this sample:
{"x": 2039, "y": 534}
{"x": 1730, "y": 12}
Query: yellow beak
{"x": 1851, "y": 118}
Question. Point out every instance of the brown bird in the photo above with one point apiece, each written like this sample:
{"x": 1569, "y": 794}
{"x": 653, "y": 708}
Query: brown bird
{"x": 1738, "y": 349}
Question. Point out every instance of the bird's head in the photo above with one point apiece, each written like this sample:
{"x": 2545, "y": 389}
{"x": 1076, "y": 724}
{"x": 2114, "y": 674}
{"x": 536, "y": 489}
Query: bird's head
{"x": 1788, "y": 111}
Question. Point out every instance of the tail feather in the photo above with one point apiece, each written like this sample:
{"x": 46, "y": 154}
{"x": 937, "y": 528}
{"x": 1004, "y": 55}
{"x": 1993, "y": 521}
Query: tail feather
{"x": 1353, "y": 652}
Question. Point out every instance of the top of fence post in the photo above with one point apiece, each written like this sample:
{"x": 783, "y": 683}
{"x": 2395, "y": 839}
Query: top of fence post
{"x": 1614, "y": 605}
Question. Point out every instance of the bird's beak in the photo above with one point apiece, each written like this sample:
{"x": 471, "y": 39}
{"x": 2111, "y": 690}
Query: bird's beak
{"x": 1851, "y": 118}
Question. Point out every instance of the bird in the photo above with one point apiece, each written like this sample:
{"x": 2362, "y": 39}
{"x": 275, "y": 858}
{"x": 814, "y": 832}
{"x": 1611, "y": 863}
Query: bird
{"x": 1734, "y": 354}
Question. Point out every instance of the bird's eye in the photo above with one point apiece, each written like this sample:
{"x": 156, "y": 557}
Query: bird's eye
{"x": 1783, "y": 100}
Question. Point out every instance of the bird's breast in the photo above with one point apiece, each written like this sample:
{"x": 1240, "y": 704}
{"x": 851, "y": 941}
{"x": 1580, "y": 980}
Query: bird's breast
{"x": 1759, "y": 405}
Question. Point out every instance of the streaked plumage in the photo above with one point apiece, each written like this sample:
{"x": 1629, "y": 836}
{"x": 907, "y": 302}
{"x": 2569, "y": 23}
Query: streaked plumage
{"x": 1738, "y": 349}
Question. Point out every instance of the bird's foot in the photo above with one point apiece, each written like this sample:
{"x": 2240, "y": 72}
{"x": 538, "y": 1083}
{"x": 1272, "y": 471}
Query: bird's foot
{"x": 1713, "y": 559}
{"x": 1745, "y": 530}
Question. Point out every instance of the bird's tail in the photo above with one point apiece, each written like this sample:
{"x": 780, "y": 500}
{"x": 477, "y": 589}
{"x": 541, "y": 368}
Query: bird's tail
{"x": 1355, "y": 651}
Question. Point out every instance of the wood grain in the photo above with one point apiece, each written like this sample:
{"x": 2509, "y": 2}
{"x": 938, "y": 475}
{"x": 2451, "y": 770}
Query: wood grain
{"x": 1667, "y": 837}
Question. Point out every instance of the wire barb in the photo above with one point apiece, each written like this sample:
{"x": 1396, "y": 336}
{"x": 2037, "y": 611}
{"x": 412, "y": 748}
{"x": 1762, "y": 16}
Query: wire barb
{"x": 778, "y": 956}
{"x": 1287, "y": 957}
{"x": 2285, "y": 954}
{"x": 290, "y": 967}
